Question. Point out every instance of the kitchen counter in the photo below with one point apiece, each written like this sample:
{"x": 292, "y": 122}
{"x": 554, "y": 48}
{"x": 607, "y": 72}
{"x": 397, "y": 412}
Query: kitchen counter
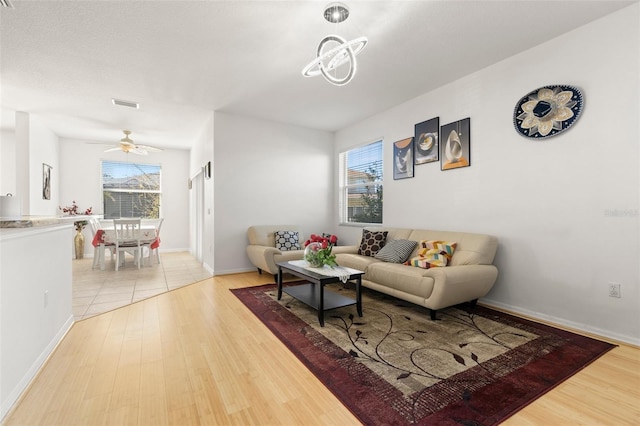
{"x": 35, "y": 221}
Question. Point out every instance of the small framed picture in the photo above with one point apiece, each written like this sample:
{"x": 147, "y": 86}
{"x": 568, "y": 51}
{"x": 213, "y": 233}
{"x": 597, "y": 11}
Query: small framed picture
{"x": 46, "y": 181}
{"x": 403, "y": 159}
{"x": 427, "y": 135}
{"x": 455, "y": 149}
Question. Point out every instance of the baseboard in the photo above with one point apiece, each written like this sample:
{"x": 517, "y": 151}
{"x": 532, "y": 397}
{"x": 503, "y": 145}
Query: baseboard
{"x": 234, "y": 271}
{"x": 563, "y": 323}
{"x": 13, "y": 396}
{"x": 208, "y": 268}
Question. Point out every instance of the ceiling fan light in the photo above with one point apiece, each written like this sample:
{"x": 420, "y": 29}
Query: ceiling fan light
{"x": 336, "y": 13}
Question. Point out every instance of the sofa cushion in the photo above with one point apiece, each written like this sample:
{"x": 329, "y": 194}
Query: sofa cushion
{"x": 472, "y": 249}
{"x": 400, "y": 278}
{"x": 396, "y": 251}
{"x": 287, "y": 256}
{"x": 287, "y": 240}
{"x": 355, "y": 261}
{"x": 372, "y": 242}
{"x": 263, "y": 235}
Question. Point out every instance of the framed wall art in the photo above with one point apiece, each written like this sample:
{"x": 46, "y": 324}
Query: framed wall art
{"x": 403, "y": 159}
{"x": 427, "y": 135}
{"x": 455, "y": 149}
{"x": 46, "y": 181}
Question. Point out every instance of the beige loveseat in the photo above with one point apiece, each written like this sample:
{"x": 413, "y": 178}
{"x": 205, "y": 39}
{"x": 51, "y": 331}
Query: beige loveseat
{"x": 262, "y": 251}
{"x": 469, "y": 275}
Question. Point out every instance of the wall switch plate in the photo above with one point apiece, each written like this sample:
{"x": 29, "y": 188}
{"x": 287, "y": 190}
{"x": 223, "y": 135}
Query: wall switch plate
{"x": 614, "y": 290}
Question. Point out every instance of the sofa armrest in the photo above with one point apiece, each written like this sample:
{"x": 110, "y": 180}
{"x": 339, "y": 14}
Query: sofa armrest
{"x": 457, "y": 284}
{"x": 262, "y": 257}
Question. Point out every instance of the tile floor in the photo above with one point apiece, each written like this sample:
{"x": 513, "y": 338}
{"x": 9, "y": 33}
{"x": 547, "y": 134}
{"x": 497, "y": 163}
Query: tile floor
{"x": 96, "y": 291}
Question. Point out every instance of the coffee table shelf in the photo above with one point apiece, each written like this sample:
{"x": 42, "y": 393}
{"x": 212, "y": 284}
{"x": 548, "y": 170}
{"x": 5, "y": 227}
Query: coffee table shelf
{"x": 308, "y": 294}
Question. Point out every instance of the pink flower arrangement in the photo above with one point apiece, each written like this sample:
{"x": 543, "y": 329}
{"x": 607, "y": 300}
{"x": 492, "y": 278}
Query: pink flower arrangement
{"x": 318, "y": 250}
{"x": 73, "y": 209}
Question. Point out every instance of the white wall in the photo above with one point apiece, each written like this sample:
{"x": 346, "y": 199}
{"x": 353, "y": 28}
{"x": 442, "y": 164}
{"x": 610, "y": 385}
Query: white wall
{"x": 43, "y": 148}
{"x": 79, "y": 171}
{"x": 200, "y": 154}
{"x": 551, "y": 203}
{"x": 7, "y": 162}
{"x": 23, "y": 153}
{"x": 267, "y": 173}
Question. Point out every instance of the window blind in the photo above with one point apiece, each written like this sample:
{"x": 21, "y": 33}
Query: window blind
{"x": 131, "y": 190}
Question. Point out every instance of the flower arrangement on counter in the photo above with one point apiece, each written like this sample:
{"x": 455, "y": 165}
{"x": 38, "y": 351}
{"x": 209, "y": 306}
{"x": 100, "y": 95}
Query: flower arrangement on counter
{"x": 318, "y": 251}
{"x": 74, "y": 210}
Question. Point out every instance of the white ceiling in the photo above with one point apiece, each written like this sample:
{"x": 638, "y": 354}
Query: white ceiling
{"x": 63, "y": 61}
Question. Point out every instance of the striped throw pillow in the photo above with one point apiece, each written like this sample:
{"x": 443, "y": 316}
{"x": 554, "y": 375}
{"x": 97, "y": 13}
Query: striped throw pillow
{"x": 396, "y": 251}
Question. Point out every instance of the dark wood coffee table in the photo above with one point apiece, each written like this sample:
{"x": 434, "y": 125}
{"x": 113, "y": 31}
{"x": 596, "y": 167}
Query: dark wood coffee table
{"x": 313, "y": 293}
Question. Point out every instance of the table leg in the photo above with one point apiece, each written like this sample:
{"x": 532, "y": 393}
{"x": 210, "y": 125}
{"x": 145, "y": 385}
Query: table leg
{"x": 320, "y": 289}
{"x": 359, "y": 295}
{"x": 279, "y": 280}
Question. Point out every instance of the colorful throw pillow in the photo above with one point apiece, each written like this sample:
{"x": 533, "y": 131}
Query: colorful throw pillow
{"x": 446, "y": 248}
{"x": 396, "y": 251}
{"x": 287, "y": 240}
{"x": 433, "y": 254}
{"x": 372, "y": 242}
{"x": 426, "y": 263}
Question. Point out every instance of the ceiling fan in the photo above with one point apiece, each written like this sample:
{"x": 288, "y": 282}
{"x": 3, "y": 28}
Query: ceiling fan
{"x": 127, "y": 145}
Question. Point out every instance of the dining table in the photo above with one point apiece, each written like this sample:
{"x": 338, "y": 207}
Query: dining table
{"x": 107, "y": 237}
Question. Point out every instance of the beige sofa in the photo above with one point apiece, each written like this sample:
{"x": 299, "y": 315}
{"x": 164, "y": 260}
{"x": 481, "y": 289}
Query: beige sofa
{"x": 468, "y": 277}
{"x": 264, "y": 255}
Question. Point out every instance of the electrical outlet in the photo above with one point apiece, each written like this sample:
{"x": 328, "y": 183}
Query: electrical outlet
{"x": 614, "y": 290}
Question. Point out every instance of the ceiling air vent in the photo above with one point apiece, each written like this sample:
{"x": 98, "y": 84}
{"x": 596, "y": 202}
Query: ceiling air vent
{"x": 120, "y": 102}
{"x": 6, "y": 3}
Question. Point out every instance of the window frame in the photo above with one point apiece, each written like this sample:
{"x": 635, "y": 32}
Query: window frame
{"x": 344, "y": 187}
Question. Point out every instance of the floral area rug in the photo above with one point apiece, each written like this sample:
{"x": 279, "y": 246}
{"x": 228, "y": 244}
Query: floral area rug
{"x": 394, "y": 366}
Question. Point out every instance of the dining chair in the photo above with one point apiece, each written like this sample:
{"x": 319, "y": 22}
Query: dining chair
{"x": 155, "y": 244}
{"x": 99, "y": 245}
{"x": 127, "y": 240}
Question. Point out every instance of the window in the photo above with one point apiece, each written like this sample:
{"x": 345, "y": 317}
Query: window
{"x": 361, "y": 184}
{"x": 131, "y": 190}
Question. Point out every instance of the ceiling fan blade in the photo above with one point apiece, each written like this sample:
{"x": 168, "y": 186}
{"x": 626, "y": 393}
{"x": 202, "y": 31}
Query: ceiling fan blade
{"x": 149, "y": 148}
{"x": 138, "y": 151}
{"x": 117, "y": 148}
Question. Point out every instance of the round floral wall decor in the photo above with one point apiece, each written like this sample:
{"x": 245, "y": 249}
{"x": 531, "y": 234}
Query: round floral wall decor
{"x": 547, "y": 111}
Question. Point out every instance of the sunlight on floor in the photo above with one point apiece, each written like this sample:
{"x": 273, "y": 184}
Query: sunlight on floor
{"x": 96, "y": 291}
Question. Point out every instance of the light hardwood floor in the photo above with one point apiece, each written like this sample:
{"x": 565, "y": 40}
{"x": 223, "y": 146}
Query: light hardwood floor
{"x": 196, "y": 355}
